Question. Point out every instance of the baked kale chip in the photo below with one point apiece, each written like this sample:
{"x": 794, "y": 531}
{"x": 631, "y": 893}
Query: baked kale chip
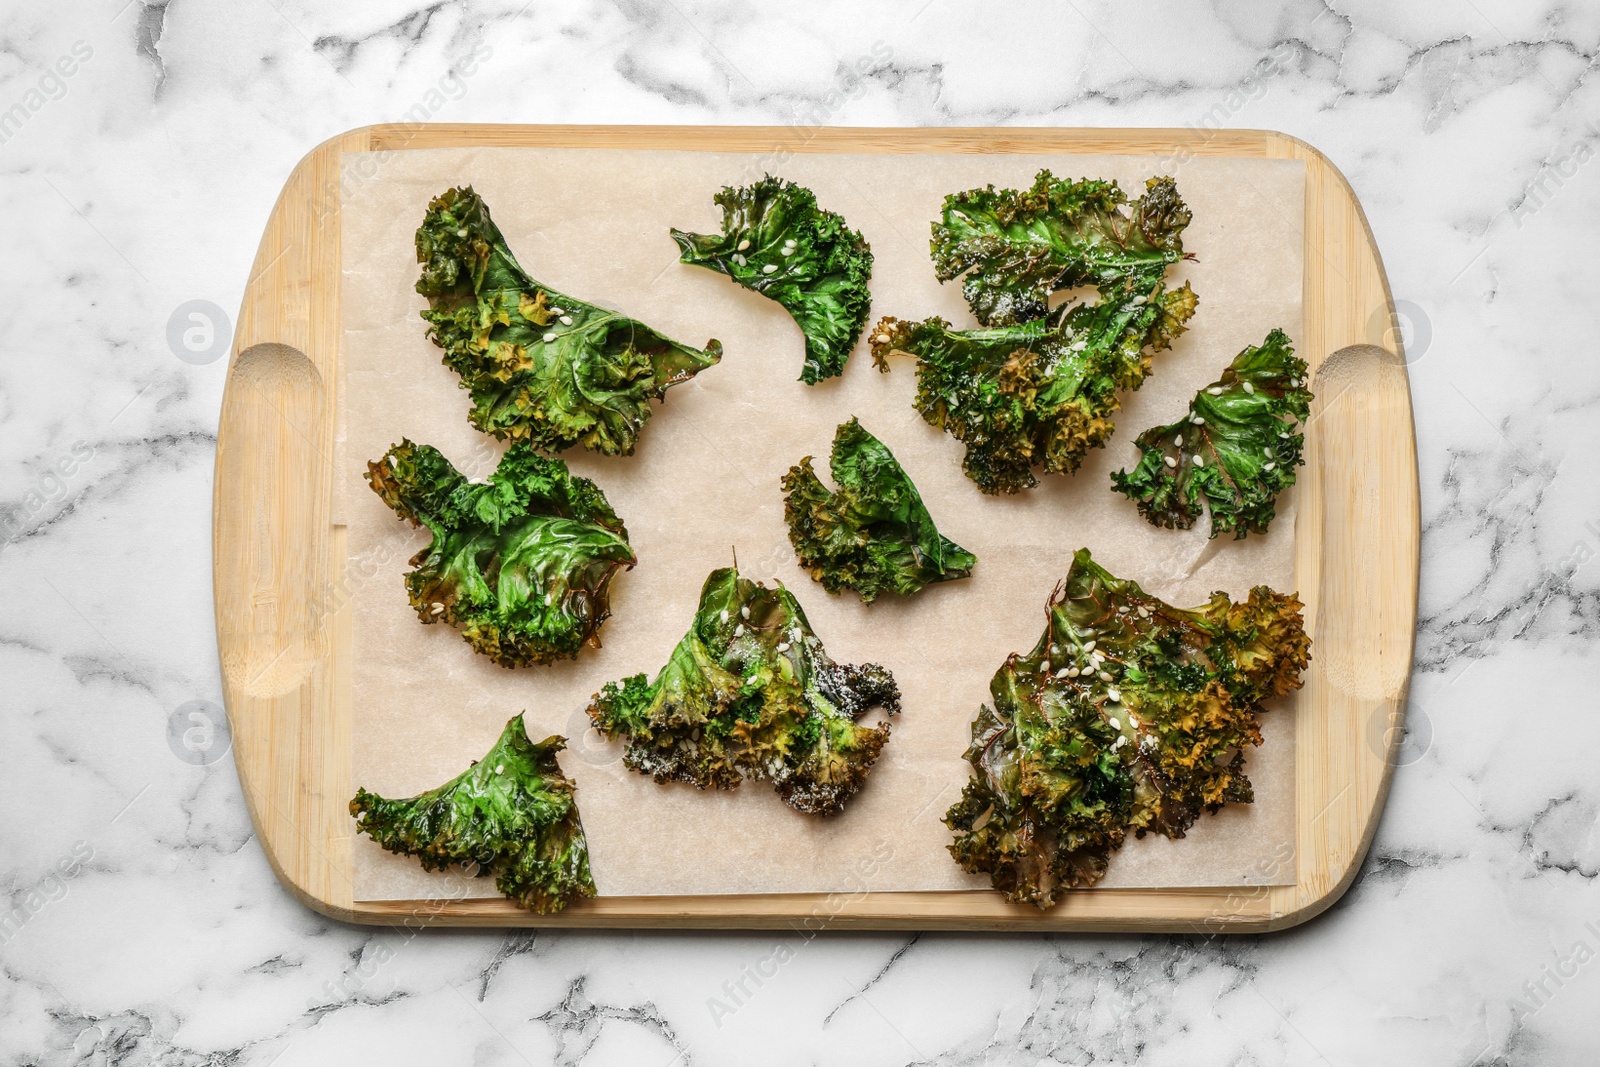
{"x": 512, "y": 814}
{"x": 521, "y": 564}
{"x": 776, "y": 241}
{"x": 1018, "y": 247}
{"x": 1128, "y": 715}
{"x": 750, "y": 693}
{"x": 873, "y": 534}
{"x": 541, "y": 366}
{"x": 1237, "y": 448}
{"x": 1039, "y": 393}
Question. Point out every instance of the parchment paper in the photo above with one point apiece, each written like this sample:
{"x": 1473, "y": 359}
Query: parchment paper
{"x": 704, "y": 483}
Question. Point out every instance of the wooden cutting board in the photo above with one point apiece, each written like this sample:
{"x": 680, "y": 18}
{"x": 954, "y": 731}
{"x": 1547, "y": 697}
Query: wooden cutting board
{"x": 283, "y": 613}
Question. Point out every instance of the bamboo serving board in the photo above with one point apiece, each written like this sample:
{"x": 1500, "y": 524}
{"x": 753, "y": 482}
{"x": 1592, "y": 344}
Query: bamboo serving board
{"x": 284, "y": 619}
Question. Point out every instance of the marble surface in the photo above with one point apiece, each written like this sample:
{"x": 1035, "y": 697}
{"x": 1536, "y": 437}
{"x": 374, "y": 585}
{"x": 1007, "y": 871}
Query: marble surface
{"x": 145, "y": 925}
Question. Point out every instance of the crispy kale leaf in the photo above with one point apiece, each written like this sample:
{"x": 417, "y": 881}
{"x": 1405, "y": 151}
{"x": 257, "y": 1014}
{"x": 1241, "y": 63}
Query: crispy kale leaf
{"x": 778, "y": 242}
{"x": 1128, "y": 715}
{"x": 512, "y": 814}
{"x": 541, "y": 366}
{"x": 1040, "y": 393}
{"x": 1238, "y": 446}
{"x": 873, "y": 533}
{"x": 522, "y": 563}
{"x": 750, "y": 693}
{"x": 1018, "y": 247}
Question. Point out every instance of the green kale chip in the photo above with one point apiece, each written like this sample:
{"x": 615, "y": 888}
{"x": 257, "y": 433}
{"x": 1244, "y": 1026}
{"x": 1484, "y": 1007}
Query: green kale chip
{"x": 541, "y": 366}
{"x": 522, "y": 563}
{"x": 1017, "y": 247}
{"x": 873, "y": 534}
{"x": 1237, "y": 448}
{"x": 1040, "y": 393}
{"x": 750, "y": 693}
{"x": 776, "y": 241}
{"x": 512, "y": 814}
{"x": 1128, "y": 715}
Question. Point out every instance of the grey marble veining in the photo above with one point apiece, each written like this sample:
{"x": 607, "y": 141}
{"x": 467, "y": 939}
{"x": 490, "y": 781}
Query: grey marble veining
{"x": 145, "y": 926}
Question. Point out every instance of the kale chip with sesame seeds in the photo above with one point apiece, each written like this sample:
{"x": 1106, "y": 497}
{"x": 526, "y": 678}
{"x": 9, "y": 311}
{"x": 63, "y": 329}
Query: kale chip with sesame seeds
{"x": 1128, "y": 715}
{"x": 540, "y": 366}
{"x": 512, "y": 815}
{"x": 750, "y": 693}
{"x": 521, "y": 564}
{"x": 1236, "y": 449}
{"x": 776, "y": 241}
{"x": 1039, "y": 394}
{"x": 1037, "y": 388}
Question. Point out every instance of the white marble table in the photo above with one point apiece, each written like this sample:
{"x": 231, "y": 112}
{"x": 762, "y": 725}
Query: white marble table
{"x": 145, "y": 924}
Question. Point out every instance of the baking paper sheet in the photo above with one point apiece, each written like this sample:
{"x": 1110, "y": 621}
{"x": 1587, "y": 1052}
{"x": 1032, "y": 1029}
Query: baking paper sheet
{"x": 704, "y": 484}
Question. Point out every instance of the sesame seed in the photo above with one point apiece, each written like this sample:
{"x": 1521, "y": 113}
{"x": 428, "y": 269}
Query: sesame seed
{"x": 1064, "y": 672}
{"x": 1138, "y": 300}
{"x": 1249, "y": 388}
{"x": 1268, "y": 466}
{"x": 1079, "y": 346}
{"x": 500, "y": 768}
{"x": 1072, "y": 672}
{"x": 1169, "y": 461}
{"x": 783, "y": 646}
{"x": 1197, "y": 420}
{"x": 882, "y": 338}
{"x": 1114, "y": 696}
{"x": 770, "y": 268}
{"x": 790, "y": 241}
{"x": 744, "y": 244}
{"x": 1267, "y": 452}
{"x": 737, "y": 258}
{"x": 724, "y": 614}
{"x": 1215, "y": 390}
{"x": 461, "y": 232}
{"x": 738, "y": 631}
{"x": 789, "y": 251}
{"x": 1144, "y": 612}
{"x": 1284, "y": 436}
{"x": 1178, "y": 440}
{"x": 1088, "y": 646}
{"x": 549, "y": 337}
{"x": 437, "y": 609}
{"x": 1104, "y": 677}
{"x": 744, "y": 612}
{"x": 566, "y": 320}
{"x": 557, "y": 311}
{"x": 1199, "y": 461}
